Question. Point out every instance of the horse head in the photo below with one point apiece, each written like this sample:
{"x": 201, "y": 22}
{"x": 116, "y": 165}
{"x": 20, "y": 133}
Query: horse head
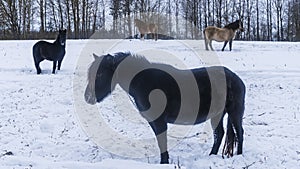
{"x": 100, "y": 75}
{"x": 62, "y": 37}
{"x": 237, "y": 25}
{"x": 241, "y": 27}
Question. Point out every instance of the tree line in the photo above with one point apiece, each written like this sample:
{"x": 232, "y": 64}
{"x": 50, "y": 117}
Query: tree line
{"x": 271, "y": 20}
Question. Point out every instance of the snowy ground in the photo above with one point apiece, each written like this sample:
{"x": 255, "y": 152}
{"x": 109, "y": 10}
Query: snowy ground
{"x": 39, "y": 126}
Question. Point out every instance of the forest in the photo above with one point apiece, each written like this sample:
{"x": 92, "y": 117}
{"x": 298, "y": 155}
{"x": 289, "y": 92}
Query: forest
{"x": 264, "y": 20}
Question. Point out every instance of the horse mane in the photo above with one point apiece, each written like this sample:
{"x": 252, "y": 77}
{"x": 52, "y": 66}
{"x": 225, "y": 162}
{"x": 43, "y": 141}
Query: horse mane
{"x": 117, "y": 59}
{"x": 120, "y": 56}
{"x": 234, "y": 25}
{"x": 57, "y": 38}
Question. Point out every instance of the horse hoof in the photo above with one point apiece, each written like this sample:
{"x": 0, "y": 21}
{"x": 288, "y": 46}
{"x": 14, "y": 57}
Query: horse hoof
{"x": 164, "y": 162}
{"x": 212, "y": 153}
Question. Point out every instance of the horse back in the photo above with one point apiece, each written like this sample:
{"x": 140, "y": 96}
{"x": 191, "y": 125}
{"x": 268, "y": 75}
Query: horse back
{"x": 216, "y": 86}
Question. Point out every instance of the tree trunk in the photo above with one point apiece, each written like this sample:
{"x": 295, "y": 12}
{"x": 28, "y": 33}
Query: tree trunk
{"x": 257, "y": 20}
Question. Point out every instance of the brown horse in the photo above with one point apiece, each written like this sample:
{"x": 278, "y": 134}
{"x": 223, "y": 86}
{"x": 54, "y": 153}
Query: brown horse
{"x": 226, "y": 34}
{"x": 145, "y": 28}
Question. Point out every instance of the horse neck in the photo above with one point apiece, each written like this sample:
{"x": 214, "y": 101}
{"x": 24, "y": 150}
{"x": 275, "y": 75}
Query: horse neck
{"x": 57, "y": 40}
{"x": 127, "y": 69}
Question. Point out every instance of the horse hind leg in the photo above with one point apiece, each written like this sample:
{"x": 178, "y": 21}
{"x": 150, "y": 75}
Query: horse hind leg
{"x": 230, "y": 44}
{"x": 37, "y": 66}
{"x": 236, "y": 117}
{"x": 217, "y": 125}
{"x": 230, "y": 140}
{"x": 37, "y": 59}
{"x": 37, "y": 62}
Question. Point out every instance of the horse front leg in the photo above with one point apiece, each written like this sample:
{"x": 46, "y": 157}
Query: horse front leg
{"x": 59, "y": 64}
{"x": 160, "y": 129}
{"x": 230, "y": 44}
{"x": 225, "y": 43}
{"x": 54, "y": 67}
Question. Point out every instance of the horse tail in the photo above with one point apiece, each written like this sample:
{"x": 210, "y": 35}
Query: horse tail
{"x": 230, "y": 141}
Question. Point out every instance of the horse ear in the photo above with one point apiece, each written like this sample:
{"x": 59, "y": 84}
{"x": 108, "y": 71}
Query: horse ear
{"x": 110, "y": 58}
{"x": 95, "y": 56}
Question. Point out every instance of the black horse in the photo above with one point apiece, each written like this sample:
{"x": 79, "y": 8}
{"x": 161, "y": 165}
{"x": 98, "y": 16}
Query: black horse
{"x": 50, "y": 51}
{"x": 218, "y": 91}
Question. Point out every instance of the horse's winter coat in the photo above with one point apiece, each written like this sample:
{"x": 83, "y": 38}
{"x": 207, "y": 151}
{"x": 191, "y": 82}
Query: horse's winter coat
{"x": 226, "y": 34}
{"x": 50, "y": 51}
{"x": 216, "y": 91}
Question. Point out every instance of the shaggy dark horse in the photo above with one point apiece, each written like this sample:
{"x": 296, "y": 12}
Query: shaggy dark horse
{"x": 50, "y": 51}
{"x": 226, "y": 34}
{"x": 164, "y": 94}
{"x": 145, "y": 28}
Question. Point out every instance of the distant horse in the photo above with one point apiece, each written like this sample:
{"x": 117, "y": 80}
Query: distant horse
{"x": 145, "y": 28}
{"x": 109, "y": 70}
{"x": 226, "y": 34}
{"x": 50, "y": 51}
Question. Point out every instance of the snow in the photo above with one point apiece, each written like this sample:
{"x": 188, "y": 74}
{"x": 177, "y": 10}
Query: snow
{"x": 41, "y": 124}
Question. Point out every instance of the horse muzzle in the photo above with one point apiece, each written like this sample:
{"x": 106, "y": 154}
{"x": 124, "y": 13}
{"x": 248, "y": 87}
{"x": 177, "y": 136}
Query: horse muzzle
{"x": 89, "y": 97}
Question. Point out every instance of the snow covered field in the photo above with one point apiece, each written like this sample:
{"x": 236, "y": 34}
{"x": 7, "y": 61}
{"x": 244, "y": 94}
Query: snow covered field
{"x": 40, "y": 126}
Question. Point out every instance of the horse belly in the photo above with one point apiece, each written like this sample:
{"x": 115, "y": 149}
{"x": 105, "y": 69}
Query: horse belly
{"x": 186, "y": 121}
{"x": 55, "y": 54}
{"x": 190, "y": 114}
{"x": 222, "y": 35}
